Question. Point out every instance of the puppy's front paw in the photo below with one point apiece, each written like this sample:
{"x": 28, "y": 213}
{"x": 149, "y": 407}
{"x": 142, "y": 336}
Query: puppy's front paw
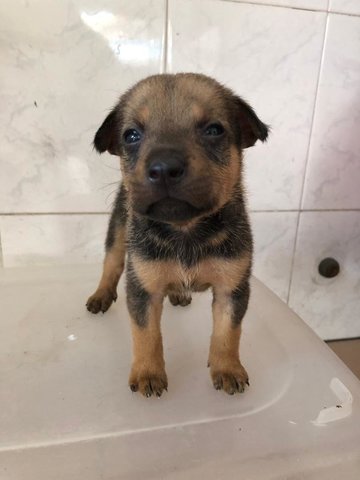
{"x": 231, "y": 378}
{"x": 148, "y": 383}
{"x": 101, "y": 300}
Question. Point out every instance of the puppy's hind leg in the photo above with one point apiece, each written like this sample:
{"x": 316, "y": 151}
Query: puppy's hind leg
{"x": 180, "y": 298}
{"x": 114, "y": 261}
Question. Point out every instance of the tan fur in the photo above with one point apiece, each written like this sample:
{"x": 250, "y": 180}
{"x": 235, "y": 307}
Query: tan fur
{"x": 218, "y": 238}
{"x": 224, "y": 361}
{"x": 160, "y": 276}
{"x": 114, "y": 261}
{"x": 197, "y": 111}
{"x": 112, "y": 270}
{"x": 143, "y": 115}
{"x": 229, "y": 177}
{"x": 148, "y": 368}
{"x": 125, "y": 179}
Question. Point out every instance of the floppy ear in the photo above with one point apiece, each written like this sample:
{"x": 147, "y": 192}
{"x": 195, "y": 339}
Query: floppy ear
{"x": 251, "y": 127}
{"x": 106, "y": 138}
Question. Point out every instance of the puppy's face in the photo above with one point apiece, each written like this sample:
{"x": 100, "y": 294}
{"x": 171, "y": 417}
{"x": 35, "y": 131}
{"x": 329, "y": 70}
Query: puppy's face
{"x": 180, "y": 140}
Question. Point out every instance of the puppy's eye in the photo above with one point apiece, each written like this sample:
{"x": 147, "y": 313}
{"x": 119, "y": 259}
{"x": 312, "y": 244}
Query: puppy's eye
{"x": 214, "y": 130}
{"x": 132, "y": 136}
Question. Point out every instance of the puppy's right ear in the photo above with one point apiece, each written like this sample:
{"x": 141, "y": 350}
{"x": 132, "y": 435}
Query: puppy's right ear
{"x": 107, "y": 137}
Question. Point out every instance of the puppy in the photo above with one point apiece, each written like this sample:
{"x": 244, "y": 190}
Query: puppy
{"x": 180, "y": 215}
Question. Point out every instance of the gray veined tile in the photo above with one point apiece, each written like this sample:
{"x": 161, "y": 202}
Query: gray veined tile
{"x": 52, "y": 239}
{"x": 270, "y": 56}
{"x": 307, "y": 4}
{"x": 331, "y": 306}
{"x": 345, "y": 6}
{"x": 59, "y": 78}
{"x": 274, "y": 238}
{"x": 333, "y": 172}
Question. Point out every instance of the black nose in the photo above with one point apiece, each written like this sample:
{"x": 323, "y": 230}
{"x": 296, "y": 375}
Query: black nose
{"x": 169, "y": 171}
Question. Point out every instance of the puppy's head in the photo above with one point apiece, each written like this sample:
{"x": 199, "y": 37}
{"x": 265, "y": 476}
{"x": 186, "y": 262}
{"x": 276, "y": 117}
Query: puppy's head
{"x": 180, "y": 139}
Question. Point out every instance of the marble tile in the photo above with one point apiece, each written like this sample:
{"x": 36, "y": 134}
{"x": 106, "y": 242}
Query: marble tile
{"x": 345, "y": 6}
{"x": 1, "y": 255}
{"x": 333, "y": 173}
{"x": 308, "y": 4}
{"x": 330, "y": 306}
{"x": 52, "y": 239}
{"x": 63, "y": 65}
{"x": 274, "y": 237}
{"x": 271, "y": 57}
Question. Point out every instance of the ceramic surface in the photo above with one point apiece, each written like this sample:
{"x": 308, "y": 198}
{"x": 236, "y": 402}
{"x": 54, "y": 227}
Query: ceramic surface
{"x": 333, "y": 173}
{"x": 63, "y": 65}
{"x": 228, "y": 40}
{"x": 331, "y": 306}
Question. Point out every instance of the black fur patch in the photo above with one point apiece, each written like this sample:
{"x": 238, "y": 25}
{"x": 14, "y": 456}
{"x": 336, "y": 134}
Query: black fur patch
{"x": 160, "y": 241}
{"x": 240, "y": 299}
{"x": 107, "y": 137}
{"x": 118, "y": 217}
{"x": 137, "y": 297}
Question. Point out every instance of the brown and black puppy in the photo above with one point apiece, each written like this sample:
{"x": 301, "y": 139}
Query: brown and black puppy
{"x": 180, "y": 216}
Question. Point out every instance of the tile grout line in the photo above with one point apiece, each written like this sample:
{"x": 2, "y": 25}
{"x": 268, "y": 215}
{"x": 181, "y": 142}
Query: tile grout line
{"x": 307, "y": 156}
{"x": 345, "y": 339}
{"x": 289, "y": 7}
{"x": 38, "y": 214}
{"x": 276, "y": 5}
{"x": 344, "y": 14}
{"x": 306, "y": 210}
{"x": 165, "y": 39}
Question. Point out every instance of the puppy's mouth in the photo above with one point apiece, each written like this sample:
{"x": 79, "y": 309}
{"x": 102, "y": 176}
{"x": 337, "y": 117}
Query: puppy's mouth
{"x": 179, "y": 206}
{"x": 172, "y": 210}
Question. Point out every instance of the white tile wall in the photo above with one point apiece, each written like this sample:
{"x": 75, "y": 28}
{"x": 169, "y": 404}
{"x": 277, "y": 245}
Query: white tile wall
{"x": 52, "y": 239}
{"x": 333, "y": 174}
{"x": 274, "y": 239}
{"x": 270, "y": 56}
{"x": 345, "y": 6}
{"x": 1, "y": 254}
{"x": 63, "y": 65}
{"x": 308, "y": 4}
{"x": 330, "y": 306}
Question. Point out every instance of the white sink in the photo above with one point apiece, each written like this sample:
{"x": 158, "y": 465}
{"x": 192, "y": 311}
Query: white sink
{"x": 67, "y": 413}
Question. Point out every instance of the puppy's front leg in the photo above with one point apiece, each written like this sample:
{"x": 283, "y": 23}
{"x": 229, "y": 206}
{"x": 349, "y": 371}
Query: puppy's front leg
{"x": 226, "y": 370}
{"x": 114, "y": 261}
{"x": 148, "y": 368}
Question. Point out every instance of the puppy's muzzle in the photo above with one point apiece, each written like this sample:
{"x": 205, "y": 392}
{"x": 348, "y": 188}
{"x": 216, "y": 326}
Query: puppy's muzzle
{"x": 166, "y": 168}
{"x": 164, "y": 194}
{"x": 166, "y": 172}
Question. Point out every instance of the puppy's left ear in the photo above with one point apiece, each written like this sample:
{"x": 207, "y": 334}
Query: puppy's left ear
{"x": 251, "y": 127}
{"x": 107, "y": 137}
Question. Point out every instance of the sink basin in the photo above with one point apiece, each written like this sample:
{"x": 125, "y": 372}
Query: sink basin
{"x": 66, "y": 411}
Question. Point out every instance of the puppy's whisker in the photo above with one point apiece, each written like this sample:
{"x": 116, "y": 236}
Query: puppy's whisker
{"x": 111, "y": 184}
{"x": 112, "y": 193}
{"x": 112, "y": 168}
